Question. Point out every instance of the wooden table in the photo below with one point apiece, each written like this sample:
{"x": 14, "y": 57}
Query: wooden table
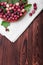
{"x": 28, "y": 49}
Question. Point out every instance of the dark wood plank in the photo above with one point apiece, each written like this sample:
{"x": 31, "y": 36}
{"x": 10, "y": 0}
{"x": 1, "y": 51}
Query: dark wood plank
{"x": 28, "y": 49}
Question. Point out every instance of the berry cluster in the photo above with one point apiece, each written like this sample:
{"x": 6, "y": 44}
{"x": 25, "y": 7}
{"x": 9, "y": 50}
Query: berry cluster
{"x": 11, "y": 12}
{"x": 34, "y": 9}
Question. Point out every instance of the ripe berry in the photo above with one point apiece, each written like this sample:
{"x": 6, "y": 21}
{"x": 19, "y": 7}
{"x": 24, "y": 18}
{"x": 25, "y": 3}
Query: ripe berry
{"x": 17, "y": 3}
{"x": 21, "y": 14}
{"x": 10, "y": 5}
{"x": 7, "y": 5}
{"x": 4, "y": 16}
{"x": 2, "y": 3}
{"x": 33, "y": 11}
{"x": 16, "y": 18}
{"x": 35, "y": 6}
{"x": 8, "y": 19}
{"x": 12, "y": 14}
{"x": 23, "y": 10}
{"x": 0, "y": 15}
{"x": 1, "y": 10}
{"x": 7, "y": 29}
{"x": 13, "y": 19}
{"x": 18, "y": 10}
{"x": 30, "y": 14}
{"x": 8, "y": 11}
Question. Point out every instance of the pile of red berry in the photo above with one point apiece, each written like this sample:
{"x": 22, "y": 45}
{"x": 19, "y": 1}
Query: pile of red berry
{"x": 11, "y": 12}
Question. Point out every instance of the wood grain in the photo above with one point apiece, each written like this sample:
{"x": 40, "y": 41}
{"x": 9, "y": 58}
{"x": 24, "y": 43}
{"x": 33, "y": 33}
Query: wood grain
{"x": 28, "y": 49}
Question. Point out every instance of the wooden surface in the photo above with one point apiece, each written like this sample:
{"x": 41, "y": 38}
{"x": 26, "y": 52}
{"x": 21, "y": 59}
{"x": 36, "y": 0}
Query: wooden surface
{"x": 28, "y": 49}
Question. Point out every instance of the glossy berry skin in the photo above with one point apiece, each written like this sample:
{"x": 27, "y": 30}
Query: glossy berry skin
{"x": 35, "y": 6}
{"x": 30, "y": 14}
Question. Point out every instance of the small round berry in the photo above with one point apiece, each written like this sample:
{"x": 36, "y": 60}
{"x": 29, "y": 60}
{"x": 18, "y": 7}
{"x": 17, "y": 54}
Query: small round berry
{"x": 4, "y": 16}
{"x": 10, "y": 8}
{"x": 33, "y": 11}
{"x": 7, "y": 9}
{"x": 13, "y": 19}
{"x": 8, "y": 19}
{"x": 10, "y": 5}
{"x": 23, "y": 10}
{"x": 4, "y": 6}
{"x": 30, "y": 14}
{"x": 18, "y": 10}
{"x": 7, "y": 29}
{"x": 35, "y": 6}
{"x": 12, "y": 14}
{"x": 14, "y": 9}
{"x": 17, "y": 3}
{"x": 16, "y": 18}
{"x": 7, "y": 5}
{"x": 21, "y": 14}
{"x": 2, "y": 3}
{"x": 0, "y": 16}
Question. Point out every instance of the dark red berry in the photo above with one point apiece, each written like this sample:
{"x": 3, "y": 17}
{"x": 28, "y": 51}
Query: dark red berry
{"x": 30, "y": 14}
{"x": 35, "y": 6}
{"x": 7, "y": 29}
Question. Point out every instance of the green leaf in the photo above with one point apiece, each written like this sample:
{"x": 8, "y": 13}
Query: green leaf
{"x": 13, "y": 1}
{"x": 3, "y": 0}
{"x": 10, "y": 1}
{"x": 5, "y": 24}
{"x": 24, "y": 1}
{"x": 28, "y": 7}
